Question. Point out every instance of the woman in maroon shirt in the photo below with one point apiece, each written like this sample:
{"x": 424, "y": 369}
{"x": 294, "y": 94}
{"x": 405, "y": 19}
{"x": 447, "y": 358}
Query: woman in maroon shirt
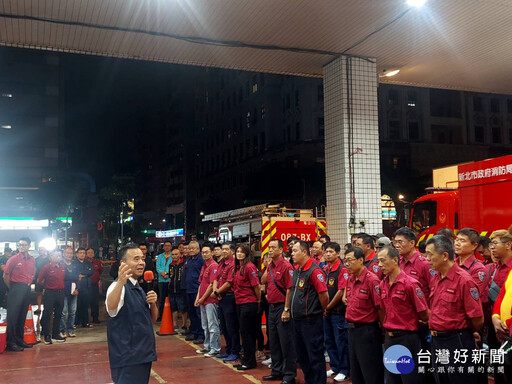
{"x": 247, "y": 297}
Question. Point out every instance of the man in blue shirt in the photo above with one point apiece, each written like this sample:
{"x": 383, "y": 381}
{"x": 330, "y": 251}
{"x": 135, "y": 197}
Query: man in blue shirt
{"x": 163, "y": 261}
{"x": 190, "y": 282}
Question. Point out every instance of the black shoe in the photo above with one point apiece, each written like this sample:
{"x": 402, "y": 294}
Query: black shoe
{"x": 48, "y": 339}
{"x": 96, "y": 321}
{"x": 25, "y": 345}
{"x": 237, "y": 365}
{"x": 272, "y": 377}
{"x": 198, "y": 341}
{"x": 159, "y": 319}
{"x": 288, "y": 381}
{"x": 245, "y": 368}
{"x": 190, "y": 337}
{"x": 37, "y": 312}
{"x": 13, "y": 348}
{"x": 59, "y": 338}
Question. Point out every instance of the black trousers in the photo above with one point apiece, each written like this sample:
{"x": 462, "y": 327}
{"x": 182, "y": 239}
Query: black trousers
{"x": 229, "y": 324}
{"x": 53, "y": 302}
{"x": 282, "y": 347}
{"x": 455, "y": 341}
{"x": 248, "y": 319}
{"x": 95, "y": 301}
{"x": 3, "y": 292}
{"x": 17, "y": 308}
{"x": 163, "y": 293}
{"x": 132, "y": 374}
{"x": 82, "y": 306}
{"x": 412, "y": 342}
{"x": 365, "y": 351}
{"x": 309, "y": 343}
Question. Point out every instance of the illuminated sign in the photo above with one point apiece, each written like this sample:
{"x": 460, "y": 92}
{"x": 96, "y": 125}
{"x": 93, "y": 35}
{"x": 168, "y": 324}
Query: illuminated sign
{"x": 14, "y": 223}
{"x": 169, "y": 233}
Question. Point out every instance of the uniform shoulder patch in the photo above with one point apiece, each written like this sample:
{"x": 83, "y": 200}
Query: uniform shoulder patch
{"x": 482, "y": 275}
{"x": 432, "y": 272}
{"x": 253, "y": 273}
{"x": 345, "y": 275}
{"x": 291, "y": 272}
{"x": 320, "y": 277}
{"x": 419, "y": 292}
{"x": 474, "y": 293}
{"x": 376, "y": 268}
{"x": 377, "y": 289}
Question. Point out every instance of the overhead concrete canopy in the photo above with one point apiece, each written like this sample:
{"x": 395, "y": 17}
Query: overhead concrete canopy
{"x": 459, "y": 44}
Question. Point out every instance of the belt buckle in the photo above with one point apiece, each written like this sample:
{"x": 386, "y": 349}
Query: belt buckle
{"x": 433, "y": 333}
{"x": 351, "y": 325}
{"x": 391, "y": 334}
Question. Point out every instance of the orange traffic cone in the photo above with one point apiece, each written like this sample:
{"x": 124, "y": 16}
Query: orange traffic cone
{"x": 29, "y": 335}
{"x": 167, "y": 326}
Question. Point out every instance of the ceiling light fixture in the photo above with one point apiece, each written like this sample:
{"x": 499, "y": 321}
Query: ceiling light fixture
{"x": 386, "y": 73}
{"x": 416, "y": 3}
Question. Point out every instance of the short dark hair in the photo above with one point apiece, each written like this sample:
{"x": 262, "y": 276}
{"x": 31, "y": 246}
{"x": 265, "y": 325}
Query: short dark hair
{"x": 367, "y": 239}
{"x": 333, "y": 245}
{"x": 484, "y": 241}
{"x": 422, "y": 246}
{"x": 326, "y": 237}
{"x": 292, "y": 238}
{"x": 471, "y": 233}
{"x": 172, "y": 249}
{"x": 168, "y": 241}
{"x": 208, "y": 245}
{"x": 90, "y": 248}
{"x": 355, "y": 235}
{"x": 10, "y": 250}
{"x": 230, "y": 244}
{"x": 358, "y": 252}
{"x": 280, "y": 243}
{"x": 391, "y": 252}
{"x": 217, "y": 245}
{"x": 446, "y": 232}
{"x": 25, "y": 238}
{"x": 80, "y": 249}
{"x": 442, "y": 244}
{"x": 145, "y": 244}
{"x": 124, "y": 250}
{"x": 406, "y": 232}
{"x": 303, "y": 246}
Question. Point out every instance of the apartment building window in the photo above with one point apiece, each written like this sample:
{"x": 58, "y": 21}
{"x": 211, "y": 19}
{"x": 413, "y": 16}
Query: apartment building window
{"x": 394, "y": 130}
{"x": 393, "y": 97}
{"x": 495, "y": 105}
{"x": 297, "y": 99}
{"x": 496, "y": 135}
{"x": 411, "y": 98}
{"x": 509, "y": 105}
{"x": 297, "y": 131}
{"x": 262, "y": 111}
{"x": 414, "y": 131}
{"x": 478, "y": 105}
{"x": 479, "y": 134}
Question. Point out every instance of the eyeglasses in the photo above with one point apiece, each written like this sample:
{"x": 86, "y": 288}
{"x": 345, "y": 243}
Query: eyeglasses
{"x": 495, "y": 243}
{"x": 349, "y": 261}
{"x": 398, "y": 242}
{"x": 23, "y": 245}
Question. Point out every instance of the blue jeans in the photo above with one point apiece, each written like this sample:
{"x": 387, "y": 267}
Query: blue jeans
{"x": 210, "y": 324}
{"x": 68, "y": 314}
{"x": 336, "y": 342}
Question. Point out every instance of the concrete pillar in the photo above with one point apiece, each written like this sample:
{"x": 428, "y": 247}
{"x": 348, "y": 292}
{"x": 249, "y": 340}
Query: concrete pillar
{"x": 352, "y": 167}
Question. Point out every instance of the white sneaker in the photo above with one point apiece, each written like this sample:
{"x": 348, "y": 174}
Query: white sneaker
{"x": 267, "y": 362}
{"x": 329, "y": 373}
{"x": 340, "y": 377}
{"x": 211, "y": 354}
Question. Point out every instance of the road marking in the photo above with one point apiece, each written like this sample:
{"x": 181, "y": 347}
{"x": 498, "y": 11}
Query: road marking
{"x": 193, "y": 357}
{"x": 157, "y": 377}
{"x": 247, "y": 376}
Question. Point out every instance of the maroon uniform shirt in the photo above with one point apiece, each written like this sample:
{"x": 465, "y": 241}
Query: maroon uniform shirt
{"x": 479, "y": 274}
{"x": 418, "y": 268}
{"x": 363, "y": 298}
{"x": 20, "y": 268}
{"x": 402, "y": 301}
{"x": 243, "y": 284}
{"x": 454, "y": 300}
{"x": 52, "y": 276}
{"x": 502, "y": 272}
{"x": 225, "y": 273}
{"x": 98, "y": 270}
{"x": 282, "y": 271}
{"x": 207, "y": 276}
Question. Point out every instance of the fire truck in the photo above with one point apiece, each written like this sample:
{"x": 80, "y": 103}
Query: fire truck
{"x": 264, "y": 222}
{"x": 474, "y": 195}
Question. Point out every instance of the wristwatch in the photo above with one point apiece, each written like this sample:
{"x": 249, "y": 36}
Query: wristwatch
{"x": 286, "y": 309}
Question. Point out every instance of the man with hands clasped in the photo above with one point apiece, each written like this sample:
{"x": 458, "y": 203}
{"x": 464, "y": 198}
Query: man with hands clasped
{"x": 130, "y": 335}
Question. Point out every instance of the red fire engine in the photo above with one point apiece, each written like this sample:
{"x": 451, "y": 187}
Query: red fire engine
{"x": 264, "y": 222}
{"x": 475, "y": 195}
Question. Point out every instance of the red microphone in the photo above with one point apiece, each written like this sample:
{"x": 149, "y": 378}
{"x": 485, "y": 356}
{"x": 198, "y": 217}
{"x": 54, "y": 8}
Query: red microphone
{"x": 148, "y": 276}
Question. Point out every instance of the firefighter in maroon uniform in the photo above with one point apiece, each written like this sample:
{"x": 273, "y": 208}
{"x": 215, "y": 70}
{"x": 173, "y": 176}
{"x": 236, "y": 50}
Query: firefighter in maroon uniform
{"x": 309, "y": 299}
{"x": 404, "y": 305}
{"x": 335, "y": 325}
{"x": 456, "y": 313}
{"x": 366, "y": 243}
{"x": 278, "y": 277}
{"x": 362, "y": 298}
{"x": 411, "y": 261}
